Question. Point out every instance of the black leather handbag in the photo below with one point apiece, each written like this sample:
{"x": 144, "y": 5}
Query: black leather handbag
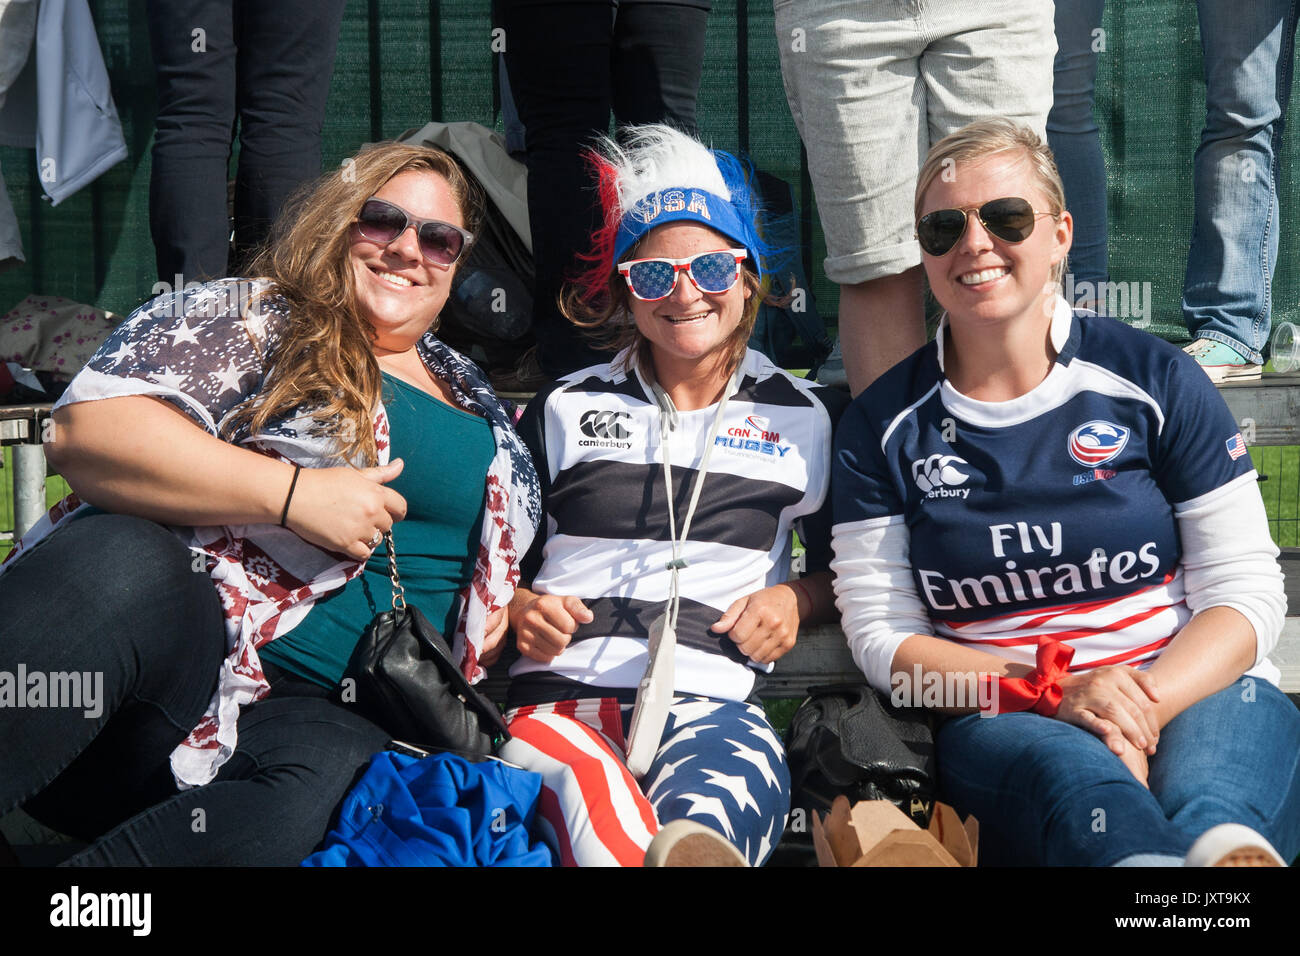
{"x": 404, "y": 679}
{"x": 846, "y": 738}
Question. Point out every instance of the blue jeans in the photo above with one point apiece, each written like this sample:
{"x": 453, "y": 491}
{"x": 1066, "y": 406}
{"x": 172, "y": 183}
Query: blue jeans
{"x": 116, "y": 596}
{"x": 1227, "y": 291}
{"x": 1048, "y": 793}
{"x": 1074, "y": 137}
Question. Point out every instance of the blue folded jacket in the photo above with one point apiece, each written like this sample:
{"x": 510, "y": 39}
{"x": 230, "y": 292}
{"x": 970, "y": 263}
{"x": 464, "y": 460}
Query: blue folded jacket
{"x": 437, "y": 811}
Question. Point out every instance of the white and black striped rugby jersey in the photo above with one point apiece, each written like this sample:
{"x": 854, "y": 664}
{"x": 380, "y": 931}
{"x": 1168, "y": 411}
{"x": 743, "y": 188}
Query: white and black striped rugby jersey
{"x": 595, "y": 439}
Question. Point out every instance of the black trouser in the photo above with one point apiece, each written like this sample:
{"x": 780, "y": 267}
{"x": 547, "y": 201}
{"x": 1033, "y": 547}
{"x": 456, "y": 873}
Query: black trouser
{"x": 265, "y": 63}
{"x": 570, "y": 64}
{"x": 117, "y": 597}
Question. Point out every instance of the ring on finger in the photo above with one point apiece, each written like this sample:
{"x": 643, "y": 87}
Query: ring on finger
{"x": 374, "y": 542}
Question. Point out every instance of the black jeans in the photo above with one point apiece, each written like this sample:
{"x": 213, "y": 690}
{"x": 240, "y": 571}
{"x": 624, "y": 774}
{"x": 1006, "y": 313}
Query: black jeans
{"x": 570, "y": 64}
{"x": 117, "y": 597}
{"x": 265, "y": 64}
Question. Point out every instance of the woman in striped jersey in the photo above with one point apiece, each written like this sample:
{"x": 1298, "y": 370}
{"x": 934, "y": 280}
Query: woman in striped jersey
{"x": 679, "y": 468}
{"x": 1049, "y": 517}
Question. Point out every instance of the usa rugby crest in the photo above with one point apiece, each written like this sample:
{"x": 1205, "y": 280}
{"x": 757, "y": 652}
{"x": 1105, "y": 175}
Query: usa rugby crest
{"x": 1097, "y": 442}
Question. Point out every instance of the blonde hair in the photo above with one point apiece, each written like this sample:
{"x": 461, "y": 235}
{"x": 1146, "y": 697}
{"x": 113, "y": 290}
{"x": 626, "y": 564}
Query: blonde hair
{"x": 988, "y": 137}
{"x": 326, "y": 361}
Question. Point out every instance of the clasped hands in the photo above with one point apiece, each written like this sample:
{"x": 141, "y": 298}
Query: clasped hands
{"x": 1118, "y": 704}
{"x": 763, "y": 624}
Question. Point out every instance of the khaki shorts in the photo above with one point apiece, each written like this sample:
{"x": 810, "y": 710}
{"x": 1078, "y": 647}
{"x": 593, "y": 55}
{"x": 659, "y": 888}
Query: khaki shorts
{"x": 873, "y": 84}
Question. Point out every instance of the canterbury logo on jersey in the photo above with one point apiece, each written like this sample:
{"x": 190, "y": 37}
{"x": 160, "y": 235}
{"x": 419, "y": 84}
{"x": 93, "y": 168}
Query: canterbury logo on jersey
{"x": 939, "y": 475}
{"x": 607, "y": 429}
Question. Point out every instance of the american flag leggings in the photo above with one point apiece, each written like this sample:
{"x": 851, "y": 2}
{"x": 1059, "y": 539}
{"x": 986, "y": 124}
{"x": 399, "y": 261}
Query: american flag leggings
{"x": 720, "y": 764}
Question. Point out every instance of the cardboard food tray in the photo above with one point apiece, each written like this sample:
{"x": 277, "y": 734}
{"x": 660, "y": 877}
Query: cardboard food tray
{"x": 877, "y": 833}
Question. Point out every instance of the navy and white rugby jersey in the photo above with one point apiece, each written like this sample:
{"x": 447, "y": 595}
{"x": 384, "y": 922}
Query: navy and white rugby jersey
{"x": 1053, "y": 514}
{"x": 595, "y": 439}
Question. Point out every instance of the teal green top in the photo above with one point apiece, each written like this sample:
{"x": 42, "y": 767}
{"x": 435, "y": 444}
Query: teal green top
{"x": 446, "y": 452}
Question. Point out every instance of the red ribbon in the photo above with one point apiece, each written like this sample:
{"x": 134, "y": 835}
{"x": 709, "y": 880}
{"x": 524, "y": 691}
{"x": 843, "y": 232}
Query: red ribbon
{"x": 1038, "y": 690}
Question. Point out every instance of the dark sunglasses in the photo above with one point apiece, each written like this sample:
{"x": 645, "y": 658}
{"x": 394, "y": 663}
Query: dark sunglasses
{"x": 653, "y": 279}
{"x": 440, "y": 242}
{"x": 1010, "y": 219}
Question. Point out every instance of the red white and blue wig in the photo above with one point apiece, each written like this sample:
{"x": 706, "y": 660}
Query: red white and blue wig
{"x": 661, "y": 175}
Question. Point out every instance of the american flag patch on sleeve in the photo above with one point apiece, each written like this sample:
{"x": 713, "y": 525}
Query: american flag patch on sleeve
{"x": 1236, "y": 447}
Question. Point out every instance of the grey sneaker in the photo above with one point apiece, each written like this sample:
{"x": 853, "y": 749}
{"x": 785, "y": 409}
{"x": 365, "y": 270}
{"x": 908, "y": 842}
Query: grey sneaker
{"x": 687, "y": 843}
{"x": 832, "y": 370}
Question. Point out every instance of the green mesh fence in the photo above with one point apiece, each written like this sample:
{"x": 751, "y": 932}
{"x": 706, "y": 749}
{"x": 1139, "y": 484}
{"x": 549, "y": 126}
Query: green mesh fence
{"x": 403, "y": 62}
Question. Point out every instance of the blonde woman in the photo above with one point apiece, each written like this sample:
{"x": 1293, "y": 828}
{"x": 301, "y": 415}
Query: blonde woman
{"x": 1055, "y": 515}
{"x": 237, "y": 455}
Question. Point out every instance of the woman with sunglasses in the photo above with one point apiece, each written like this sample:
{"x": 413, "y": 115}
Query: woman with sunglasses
{"x": 238, "y": 454}
{"x": 672, "y": 477}
{"x": 1053, "y": 517}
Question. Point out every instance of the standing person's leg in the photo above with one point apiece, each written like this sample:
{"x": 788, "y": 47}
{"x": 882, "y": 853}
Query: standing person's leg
{"x": 286, "y": 59}
{"x": 657, "y": 61}
{"x": 1233, "y": 757}
{"x": 1047, "y": 793}
{"x": 1076, "y": 141}
{"x": 1227, "y": 288}
{"x": 112, "y": 616}
{"x": 721, "y": 765}
{"x": 193, "y": 47}
{"x": 851, "y": 80}
{"x": 558, "y": 58}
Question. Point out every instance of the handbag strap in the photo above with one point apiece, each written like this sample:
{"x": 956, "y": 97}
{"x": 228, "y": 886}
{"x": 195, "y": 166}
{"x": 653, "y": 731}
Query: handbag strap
{"x": 399, "y": 593}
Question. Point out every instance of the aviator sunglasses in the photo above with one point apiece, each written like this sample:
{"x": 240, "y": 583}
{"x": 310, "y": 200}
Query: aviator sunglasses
{"x": 712, "y": 272}
{"x": 1010, "y": 219}
{"x": 441, "y": 243}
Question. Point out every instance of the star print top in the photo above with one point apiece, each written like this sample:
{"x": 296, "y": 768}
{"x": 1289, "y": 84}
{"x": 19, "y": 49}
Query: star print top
{"x": 208, "y": 350}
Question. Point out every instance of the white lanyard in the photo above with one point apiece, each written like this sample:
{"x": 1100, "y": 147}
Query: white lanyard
{"x": 667, "y": 423}
{"x": 655, "y": 690}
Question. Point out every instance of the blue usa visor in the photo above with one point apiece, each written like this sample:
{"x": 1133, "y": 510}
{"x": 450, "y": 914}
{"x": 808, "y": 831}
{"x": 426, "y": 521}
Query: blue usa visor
{"x": 682, "y": 205}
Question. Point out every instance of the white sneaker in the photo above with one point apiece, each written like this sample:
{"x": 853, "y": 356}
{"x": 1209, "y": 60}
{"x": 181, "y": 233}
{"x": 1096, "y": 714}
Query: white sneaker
{"x": 687, "y": 843}
{"x": 1222, "y": 362}
{"x": 1232, "y": 844}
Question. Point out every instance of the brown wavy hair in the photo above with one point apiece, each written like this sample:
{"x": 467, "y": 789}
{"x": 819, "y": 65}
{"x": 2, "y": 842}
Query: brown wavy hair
{"x": 607, "y": 321}
{"x": 325, "y": 361}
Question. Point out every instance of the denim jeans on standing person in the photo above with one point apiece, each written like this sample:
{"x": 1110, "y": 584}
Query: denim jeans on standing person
{"x": 264, "y": 64}
{"x": 571, "y": 64}
{"x": 1075, "y": 139}
{"x": 118, "y": 597}
{"x": 1046, "y": 792}
{"x": 1227, "y": 291}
